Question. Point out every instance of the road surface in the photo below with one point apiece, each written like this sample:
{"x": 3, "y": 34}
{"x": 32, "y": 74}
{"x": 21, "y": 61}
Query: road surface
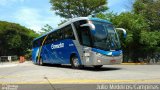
{"x": 28, "y": 73}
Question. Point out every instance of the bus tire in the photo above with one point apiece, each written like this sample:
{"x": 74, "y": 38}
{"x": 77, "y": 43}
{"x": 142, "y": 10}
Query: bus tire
{"x": 98, "y": 66}
{"x": 75, "y": 62}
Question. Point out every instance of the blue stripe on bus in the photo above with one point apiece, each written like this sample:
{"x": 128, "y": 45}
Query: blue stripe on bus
{"x": 108, "y": 53}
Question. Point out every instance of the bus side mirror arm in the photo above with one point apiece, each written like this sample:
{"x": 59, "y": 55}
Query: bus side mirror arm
{"x": 124, "y": 31}
{"x": 91, "y": 26}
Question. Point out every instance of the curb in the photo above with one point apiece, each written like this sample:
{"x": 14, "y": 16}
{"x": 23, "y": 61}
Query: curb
{"x": 134, "y": 63}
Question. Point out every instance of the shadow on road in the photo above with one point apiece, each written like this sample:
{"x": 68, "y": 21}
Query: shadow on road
{"x": 84, "y": 68}
{"x": 101, "y": 69}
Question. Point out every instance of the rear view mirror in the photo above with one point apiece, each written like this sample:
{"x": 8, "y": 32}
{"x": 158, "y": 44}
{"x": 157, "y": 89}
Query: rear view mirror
{"x": 124, "y": 32}
{"x": 90, "y": 25}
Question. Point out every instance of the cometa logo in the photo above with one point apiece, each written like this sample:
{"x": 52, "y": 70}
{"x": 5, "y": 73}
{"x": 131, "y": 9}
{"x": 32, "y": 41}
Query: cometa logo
{"x": 61, "y": 45}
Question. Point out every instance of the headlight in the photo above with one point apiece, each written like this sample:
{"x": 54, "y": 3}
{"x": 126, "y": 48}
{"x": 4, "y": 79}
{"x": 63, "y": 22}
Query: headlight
{"x": 98, "y": 54}
{"x": 87, "y": 54}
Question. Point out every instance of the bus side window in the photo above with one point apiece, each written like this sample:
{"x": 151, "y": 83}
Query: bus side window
{"x": 58, "y": 35}
{"x": 35, "y": 44}
{"x": 61, "y": 35}
{"x": 49, "y": 39}
{"x": 85, "y": 36}
{"x": 68, "y": 33}
{"x": 39, "y": 42}
{"x": 55, "y": 36}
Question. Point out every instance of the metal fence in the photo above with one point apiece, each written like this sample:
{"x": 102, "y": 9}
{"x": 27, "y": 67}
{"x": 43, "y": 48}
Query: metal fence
{"x": 152, "y": 59}
{"x": 8, "y": 58}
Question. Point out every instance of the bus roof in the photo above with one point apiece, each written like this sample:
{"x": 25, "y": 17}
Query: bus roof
{"x": 74, "y": 20}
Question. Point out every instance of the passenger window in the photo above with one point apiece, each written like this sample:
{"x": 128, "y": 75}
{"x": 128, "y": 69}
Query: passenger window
{"x": 85, "y": 36}
{"x": 68, "y": 33}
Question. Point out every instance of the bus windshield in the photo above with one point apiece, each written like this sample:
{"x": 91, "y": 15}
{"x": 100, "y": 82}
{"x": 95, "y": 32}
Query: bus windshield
{"x": 105, "y": 36}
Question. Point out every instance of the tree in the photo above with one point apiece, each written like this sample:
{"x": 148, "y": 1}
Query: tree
{"x": 134, "y": 24}
{"x": 15, "y": 39}
{"x": 62, "y": 22}
{"x": 150, "y": 10}
{"x": 46, "y": 28}
{"x": 78, "y": 8}
{"x": 107, "y": 16}
{"x": 151, "y": 42}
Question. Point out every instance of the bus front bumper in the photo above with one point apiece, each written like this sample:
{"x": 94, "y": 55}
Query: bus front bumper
{"x": 100, "y": 59}
{"x": 107, "y": 60}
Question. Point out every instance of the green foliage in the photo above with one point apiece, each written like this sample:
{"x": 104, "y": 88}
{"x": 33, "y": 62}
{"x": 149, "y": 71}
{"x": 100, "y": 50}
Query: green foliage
{"x": 131, "y": 22}
{"x": 134, "y": 24}
{"x": 28, "y": 55}
{"x": 150, "y": 39}
{"x": 108, "y": 16}
{"x": 78, "y": 8}
{"x": 46, "y": 28}
{"x": 15, "y": 39}
{"x": 62, "y": 22}
{"x": 149, "y": 9}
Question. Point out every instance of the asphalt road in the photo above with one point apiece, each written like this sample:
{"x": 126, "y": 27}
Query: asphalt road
{"x": 28, "y": 73}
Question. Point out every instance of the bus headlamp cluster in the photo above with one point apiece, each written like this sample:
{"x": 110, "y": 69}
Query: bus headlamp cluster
{"x": 98, "y": 54}
{"x": 87, "y": 54}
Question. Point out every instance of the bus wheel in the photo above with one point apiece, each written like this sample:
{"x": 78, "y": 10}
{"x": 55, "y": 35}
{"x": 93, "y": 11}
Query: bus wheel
{"x": 98, "y": 66}
{"x": 74, "y": 62}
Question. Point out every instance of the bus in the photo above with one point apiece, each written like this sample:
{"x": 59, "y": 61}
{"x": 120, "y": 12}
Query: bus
{"x": 81, "y": 41}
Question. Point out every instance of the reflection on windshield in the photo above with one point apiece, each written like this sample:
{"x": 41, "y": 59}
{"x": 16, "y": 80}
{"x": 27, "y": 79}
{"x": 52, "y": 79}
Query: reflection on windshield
{"x": 105, "y": 37}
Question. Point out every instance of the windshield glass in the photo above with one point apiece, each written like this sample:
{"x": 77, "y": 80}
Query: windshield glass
{"x": 105, "y": 36}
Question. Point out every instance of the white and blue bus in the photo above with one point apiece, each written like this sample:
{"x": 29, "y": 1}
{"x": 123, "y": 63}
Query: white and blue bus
{"x": 80, "y": 42}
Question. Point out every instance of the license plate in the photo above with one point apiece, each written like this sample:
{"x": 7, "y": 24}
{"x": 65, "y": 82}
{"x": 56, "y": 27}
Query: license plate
{"x": 113, "y": 61}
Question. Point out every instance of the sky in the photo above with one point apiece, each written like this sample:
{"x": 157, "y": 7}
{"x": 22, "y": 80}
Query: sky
{"x": 34, "y": 14}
